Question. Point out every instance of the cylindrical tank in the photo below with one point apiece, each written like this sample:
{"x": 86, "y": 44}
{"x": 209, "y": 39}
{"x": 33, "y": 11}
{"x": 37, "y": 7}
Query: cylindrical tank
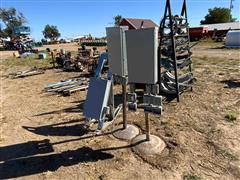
{"x": 233, "y": 39}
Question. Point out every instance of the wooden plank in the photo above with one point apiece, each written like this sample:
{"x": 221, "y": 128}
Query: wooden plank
{"x": 61, "y": 88}
{"x": 29, "y": 74}
{"x": 68, "y": 92}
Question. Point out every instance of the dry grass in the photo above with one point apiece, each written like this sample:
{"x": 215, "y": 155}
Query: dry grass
{"x": 200, "y": 143}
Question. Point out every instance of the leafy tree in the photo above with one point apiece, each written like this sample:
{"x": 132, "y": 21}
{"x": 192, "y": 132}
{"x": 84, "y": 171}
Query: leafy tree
{"x": 218, "y": 15}
{"x": 117, "y": 20}
{"x": 51, "y": 32}
{"x": 11, "y": 18}
{"x": 2, "y": 34}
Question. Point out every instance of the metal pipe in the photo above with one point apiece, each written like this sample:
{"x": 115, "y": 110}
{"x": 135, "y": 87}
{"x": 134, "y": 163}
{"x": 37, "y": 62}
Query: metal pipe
{"x": 124, "y": 95}
{"x": 147, "y": 127}
{"x": 53, "y": 60}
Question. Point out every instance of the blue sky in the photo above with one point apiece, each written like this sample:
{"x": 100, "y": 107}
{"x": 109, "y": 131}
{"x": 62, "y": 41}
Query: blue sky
{"x": 80, "y": 17}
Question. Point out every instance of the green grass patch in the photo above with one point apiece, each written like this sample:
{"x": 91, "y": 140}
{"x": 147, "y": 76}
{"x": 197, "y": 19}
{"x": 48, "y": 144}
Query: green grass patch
{"x": 28, "y": 62}
{"x": 93, "y": 44}
{"x": 231, "y": 116}
{"x": 191, "y": 177}
{"x": 226, "y": 154}
{"x": 210, "y": 42}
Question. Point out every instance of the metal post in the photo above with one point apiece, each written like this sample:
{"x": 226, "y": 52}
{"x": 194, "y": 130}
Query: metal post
{"x": 53, "y": 60}
{"x": 160, "y": 32}
{"x": 173, "y": 50}
{"x": 124, "y": 94}
{"x": 147, "y": 127}
{"x": 231, "y": 7}
{"x": 184, "y": 13}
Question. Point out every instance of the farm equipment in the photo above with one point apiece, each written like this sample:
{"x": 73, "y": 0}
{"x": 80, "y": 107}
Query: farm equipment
{"x": 86, "y": 60}
{"x": 219, "y": 36}
{"x": 89, "y": 58}
{"x": 66, "y": 61}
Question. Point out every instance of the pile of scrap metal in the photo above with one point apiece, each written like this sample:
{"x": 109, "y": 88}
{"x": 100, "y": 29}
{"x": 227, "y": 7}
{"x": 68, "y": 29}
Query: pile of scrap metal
{"x": 1, "y": 44}
{"x": 31, "y": 72}
{"x": 21, "y": 41}
{"x": 89, "y": 59}
{"x": 86, "y": 60}
{"x": 67, "y": 87}
{"x": 66, "y": 61}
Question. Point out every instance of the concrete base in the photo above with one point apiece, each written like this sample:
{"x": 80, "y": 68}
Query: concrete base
{"x": 152, "y": 147}
{"x": 126, "y": 134}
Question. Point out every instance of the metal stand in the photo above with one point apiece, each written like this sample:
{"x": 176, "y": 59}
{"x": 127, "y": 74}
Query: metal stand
{"x": 147, "y": 144}
{"x": 147, "y": 127}
{"x": 174, "y": 40}
{"x": 124, "y": 94}
{"x": 168, "y": 14}
{"x": 184, "y": 13}
{"x": 125, "y": 131}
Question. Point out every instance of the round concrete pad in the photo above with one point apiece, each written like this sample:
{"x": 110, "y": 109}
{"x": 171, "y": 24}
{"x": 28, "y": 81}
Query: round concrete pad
{"x": 126, "y": 134}
{"x": 152, "y": 147}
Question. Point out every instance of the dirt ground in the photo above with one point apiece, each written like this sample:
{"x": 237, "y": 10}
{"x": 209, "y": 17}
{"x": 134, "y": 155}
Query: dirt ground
{"x": 42, "y": 135}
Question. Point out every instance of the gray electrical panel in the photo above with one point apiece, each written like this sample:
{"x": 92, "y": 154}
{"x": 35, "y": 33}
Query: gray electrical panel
{"x": 97, "y": 98}
{"x": 142, "y": 47}
{"x": 116, "y": 45}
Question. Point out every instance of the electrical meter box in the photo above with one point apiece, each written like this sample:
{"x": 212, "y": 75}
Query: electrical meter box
{"x": 142, "y": 45}
{"x": 116, "y": 45}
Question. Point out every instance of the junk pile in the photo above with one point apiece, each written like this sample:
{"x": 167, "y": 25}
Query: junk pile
{"x": 175, "y": 55}
{"x": 66, "y": 61}
{"x": 21, "y": 40}
{"x": 67, "y": 87}
{"x": 86, "y": 60}
{"x": 31, "y": 72}
{"x": 89, "y": 58}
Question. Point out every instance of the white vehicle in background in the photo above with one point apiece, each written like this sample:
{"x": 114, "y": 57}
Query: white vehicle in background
{"x": 233, "y": 39}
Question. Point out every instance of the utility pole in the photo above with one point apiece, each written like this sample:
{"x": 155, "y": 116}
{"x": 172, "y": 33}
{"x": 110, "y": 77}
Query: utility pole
{"x": 231, "y": 7}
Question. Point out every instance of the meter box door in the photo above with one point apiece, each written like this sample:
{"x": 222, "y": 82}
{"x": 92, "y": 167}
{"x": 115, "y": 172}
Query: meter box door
{"x": 116, "y": 45}
{"x": 142, "y": 47}
{"x": 97, "y": 98}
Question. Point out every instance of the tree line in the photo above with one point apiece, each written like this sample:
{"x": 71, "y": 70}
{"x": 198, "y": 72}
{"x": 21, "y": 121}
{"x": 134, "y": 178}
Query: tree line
{"x": 11, "y": 18}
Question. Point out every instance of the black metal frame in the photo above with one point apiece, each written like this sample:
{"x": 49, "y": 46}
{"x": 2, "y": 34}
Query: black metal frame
{"x": 168, "y": 15}
{"x": 184, "y": 13}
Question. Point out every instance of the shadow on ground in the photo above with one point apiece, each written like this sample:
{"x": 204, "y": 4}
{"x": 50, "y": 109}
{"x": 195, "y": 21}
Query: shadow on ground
{"x": 59, "y": 129}
{"x": 79, "y": 107}
{"x": 73, "y": 109}
{"x": 233, "y": 83}
{"x": 25, "y": 149}
{"x": 37, "y": 164}
{"x": 20, "y": 160}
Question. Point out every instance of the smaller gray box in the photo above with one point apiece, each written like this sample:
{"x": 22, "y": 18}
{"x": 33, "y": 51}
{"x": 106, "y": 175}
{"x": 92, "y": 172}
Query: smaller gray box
{"x": 97, "y": 98}
{"x": 142, "y": 55}
{"x": 116, "y": 45}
